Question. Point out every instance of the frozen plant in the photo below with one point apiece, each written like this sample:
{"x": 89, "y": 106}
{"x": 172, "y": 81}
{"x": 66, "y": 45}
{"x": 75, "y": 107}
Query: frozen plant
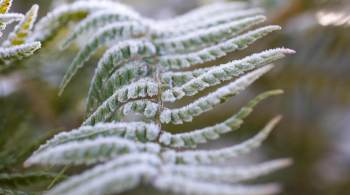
{"x": 148, "y": 65}
{"x": 18, "y": 43}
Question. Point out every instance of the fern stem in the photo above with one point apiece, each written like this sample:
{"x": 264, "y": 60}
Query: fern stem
{"x": 58, "y": 176}
{"x": 160, "y": 101}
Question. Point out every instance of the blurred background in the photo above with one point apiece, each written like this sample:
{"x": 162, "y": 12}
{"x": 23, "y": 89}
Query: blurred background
{"x": 315, "y": 131}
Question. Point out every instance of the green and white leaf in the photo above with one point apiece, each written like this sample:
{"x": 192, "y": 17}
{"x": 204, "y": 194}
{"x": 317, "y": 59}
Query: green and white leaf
{"x": 200, "y": 136}
{"x": 137, "y": 131}
{"x": 226, "y": 174}
{"x": 90, "y": 151}
{"x": 107, "y": 78}
{"x": 216, "y": 75}
{"x": 215, "y": 156}
{"x": 206, "y": 103}
{"x": 115, "y": 176}
{"x": 144, "y": 88}
{"x": 216, "y": 51}
{"x": 58, "y": 18}
{"x": 98, "y": 20}
{"x": 18, "y": 52}
{"x": 107, "y": 35}
{"x": 202, "y": 38}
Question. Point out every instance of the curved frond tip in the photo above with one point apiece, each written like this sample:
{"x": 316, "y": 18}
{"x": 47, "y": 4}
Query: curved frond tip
{"x": 206, "y": 103}
{"x": 215, "y": 156}
{"x": 193, "y": 138}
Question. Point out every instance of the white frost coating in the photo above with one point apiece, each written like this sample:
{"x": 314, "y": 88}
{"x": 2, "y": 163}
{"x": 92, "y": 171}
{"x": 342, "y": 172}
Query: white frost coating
{"x": 119, "y": 54}
{"x": 137, "y": 131}
{"x": 169, "y": 31}
{"x": 90, "y": 151}
{"x": 143, "y": 88}
{"x": 10, "y": 17}
{"x": 220, "y": 155}
{"x": 190, "y": 139}
{"x": 23, "y": 29}
{"x": 218, "y": 74}
{"x": 107, "y": 35}
{"x": 206, "y": 37}
{"x": 48, "y": 25}
{"x": 19, "y": 52}
{"x": 109, "y": 64}
{"x": 172, "y": 79}
{"x": 111, "y": 182}
{"x": 186, "y": 186}
{"x": 204, "y": 12}
{"x": 206, "y": 103}
{"x": 226, "y": 174}
{"x": 216, "y": 51}
{"x": 100, "y": 19}
{"x": 147, "y": 108}
{"x": 114, "y": 166}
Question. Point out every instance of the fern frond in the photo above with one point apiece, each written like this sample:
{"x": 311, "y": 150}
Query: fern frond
{"x": 115, "y": 181}
{"x": 17, "y": 46}
{"x": 90, "y": 151}
{"x": 108, "y": 34}
{"x": 23, "y": 29}
{"x": 204, "y": 104}
{"x": 183, "y": 185}
{"x": 144, "y": 88}
{"x": 137, "y": 131}
{"x": 138, "y": 74}
{"x": 98, "y": 20}
{"x": 221, "y": 73}
{"x": 216, "y": 51}
{"x": 206, "y": 23}
{"x": 128, "y": 73}
{"x": 220, "y": 155}
{"x": 229, "y": 174}
{"x": 98, "y": 172}
{"x": 205, "y": 12}
{"x": 58, "y": 18}
{"x": 204, "y": 38}
{"x": 193, "y": 138}
{"x": 112, "y": 60}
{"x": 18, "y": 52}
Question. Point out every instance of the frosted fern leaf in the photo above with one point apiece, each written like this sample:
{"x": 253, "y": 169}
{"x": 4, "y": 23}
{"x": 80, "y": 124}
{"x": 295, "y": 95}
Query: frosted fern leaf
{"x": 142, "y": 71}
{"x": 18, "y": 45}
